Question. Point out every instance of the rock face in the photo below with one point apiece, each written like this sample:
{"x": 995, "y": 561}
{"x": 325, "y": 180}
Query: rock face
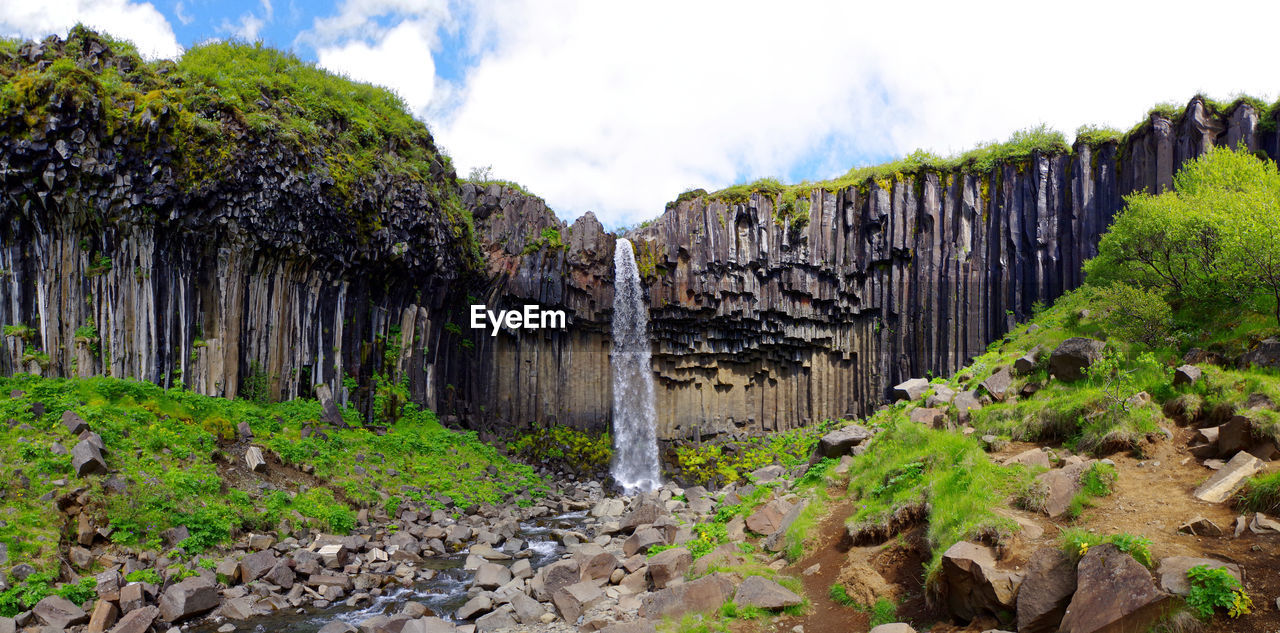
{"x": 761, "y": 321}
{"x": 1046, "y": 591}
{"x": 1113, "y": 593}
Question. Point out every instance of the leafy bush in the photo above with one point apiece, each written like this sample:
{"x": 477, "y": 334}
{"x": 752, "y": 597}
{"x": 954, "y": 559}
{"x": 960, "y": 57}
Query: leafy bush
{"x": 556, "y": 443}
{"x": 147, "y": 575}
{"x": 1076, "y": 542}
{"x": 1214, "y": 588}
{"x": 1098, "y": 480}
{"x": 1134, "y": 314}
{"x": 728, "y": 462}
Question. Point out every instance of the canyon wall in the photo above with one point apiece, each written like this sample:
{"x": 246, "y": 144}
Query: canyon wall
{"x": 759, "y": 325}
{"x": 267, "y": 278}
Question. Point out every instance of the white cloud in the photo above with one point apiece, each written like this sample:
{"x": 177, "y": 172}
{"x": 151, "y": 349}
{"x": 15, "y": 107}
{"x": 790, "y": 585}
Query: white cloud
{"x": 250, "y": 23}
{"x": 180, "y": 11}
{"x": 400, "y": 60}
{"x": 617, "y": 108}
{"x": 138, "y": 22}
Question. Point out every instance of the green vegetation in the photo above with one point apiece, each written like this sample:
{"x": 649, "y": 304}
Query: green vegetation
{"x": 24, "y": 595}
{"x": 1096, "y": 482}
{"x": 220, "y": 100}
{"x": 167, "y": 447}
{"x": 726, "y": 462}
{"x": 1077, "y": 541}
{"x": 550, "y": 238}
{"x": 580, "y": 450}
{"x": 24, "y": 332}
{"x": 884, "y": 611}
{"x": 1216, "y": 588}
{"x": 1261, "y": 494}
{"x": 935, "y": 476}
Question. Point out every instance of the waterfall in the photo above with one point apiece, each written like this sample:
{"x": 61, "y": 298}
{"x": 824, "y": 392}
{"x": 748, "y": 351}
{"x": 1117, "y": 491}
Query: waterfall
{"x": 635, "y": 432}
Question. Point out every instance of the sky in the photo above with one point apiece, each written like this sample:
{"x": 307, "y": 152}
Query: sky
{"x": 617, "y": 107}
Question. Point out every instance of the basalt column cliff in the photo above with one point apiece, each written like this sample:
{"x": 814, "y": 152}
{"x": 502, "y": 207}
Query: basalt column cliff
{"x": 245, "y": 236}
{"x": 760, "y": 324}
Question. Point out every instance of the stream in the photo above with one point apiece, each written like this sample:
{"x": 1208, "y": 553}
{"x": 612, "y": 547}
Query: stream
{"x": 443, "y": 594}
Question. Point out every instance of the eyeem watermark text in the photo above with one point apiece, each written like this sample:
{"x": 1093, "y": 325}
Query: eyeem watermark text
{"x": 532, "y": 317}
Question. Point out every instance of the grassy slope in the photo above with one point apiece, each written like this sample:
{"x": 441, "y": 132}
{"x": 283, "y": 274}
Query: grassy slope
{"x": 166, "y": 445}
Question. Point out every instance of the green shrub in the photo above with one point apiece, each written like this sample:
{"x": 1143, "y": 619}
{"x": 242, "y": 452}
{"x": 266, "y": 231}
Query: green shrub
{"x": 556, "y": 443}
{"x": 1076, "y": 542}
{"x": 1099, "y": 479}
{"x": 1134, "y": 314}
{"x": 1216, "y": 588}
{"x": 1261, "y": 494}
{"x": 147, "y": 575}
{"x": 884, "y": 611}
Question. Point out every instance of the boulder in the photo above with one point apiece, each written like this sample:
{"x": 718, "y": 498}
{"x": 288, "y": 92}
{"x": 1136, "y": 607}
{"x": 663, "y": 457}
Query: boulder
{"x": 1035, "y": 457}
{"x": 1114, "y": 592}
{"x": 669, "y": 566}
{"x": 86, "y": 459}
{"x": 642, "y": 540}
{"x": 59, "y": 612}
{"x": 254, "y": 461}
{"x": 256, "y": 565}
{"x": 645, "y": 512}
{"x": 478, "y": 605}
{"x": 496, "y": 621}
{"x": 637, "y": 626}
{"x": 492, "y": 576}
{"x": 571, "y": 601}
{"x": 559, "y": 574}
{"x": 973, "y": 585}
{"x": 594, "y": 562}
{"x": 1073, "y": 356}
{"x": 137, "y": 621}
{"x": 1061, "y": 485}
{"x": 1027, "y": 362}
{"x": 105, "y": 614}
{"x": 528, "y": 611}
{"x": 768, "y": 517}
{"x": 1173, "y": 572}
{"x": 190, "y": 597}
{"x": 841, "y": 441}
{"x": 998, "y": 383}
{"x": 894, "y": 627}
{"x": 1201, "y": 526}
{"x": 338, "y": 626}
{"x": 74, "y": 423}
{"x": 1264, "y": 354}
{"x": 1230, "y": 478}
{"x": 941, "y": 397}
{"x": 330, "y": 413}
{"x": 132, "y": 597}
{"x": 776, "y": 541}
{"x": 1186, "y": 375}
{"x": 704, "y": 594}
{"x": 757, "y": 591}
{"x": 910, "y": 390}
{"x": 1263, "y": 524}
{"x": 934, "y": 418}
{"x": 1046, "y": 591}
{"x": 964, "y": 402}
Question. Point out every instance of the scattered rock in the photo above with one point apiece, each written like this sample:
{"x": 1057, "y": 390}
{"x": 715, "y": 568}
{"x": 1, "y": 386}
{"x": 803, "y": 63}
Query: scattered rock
{"x": 1114, "y": 592}
{"x": 105, "y": 614}
{"x": 137, "y": 620}
{"x": 1062, "y": 484}
{"x": 1229, "y": 479}
{"x": 1032, "y": 457}
{"x": 998, "y": 383}
{"x": 1073, "y": 356}
{"x": 896, "y": 627}
{"x": 704, "y": 594}
{"x": 1027, "y": 362}
{"x": 478, "y": 605}
{"x": 910, "y": 390}
{"x": 757, "y": 591}
{"x": 492, "y": 576}
{"x": 671, "y": 565}
{"x": 768, "y": 517}
{"x": 1046, "y": 591}
{"x": 254, "y": 460}
{"x": 74, "y": 423}
{"x": 571, "y": 601}
{"x": 1262, "y": 524}
{"x": 934, "y": 418}
{"x": 1186, "y": 375}
{"x": 1264, "y": 354}
{"x": 1173, "y": 572}
{"x": 964, "y": 402}
{"x": 59, "y": 612}
{"x": 86, "y": 459}
{"x": 256, "y": 565}
{"x": 841, "y": 441}
{"x": 1201, "y": 526}
{"x": 973, "y": 585}
{"x": 190, "y": 597}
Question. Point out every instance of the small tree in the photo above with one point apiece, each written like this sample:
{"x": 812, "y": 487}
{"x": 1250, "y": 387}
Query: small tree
{"x": 1134, "y": 314}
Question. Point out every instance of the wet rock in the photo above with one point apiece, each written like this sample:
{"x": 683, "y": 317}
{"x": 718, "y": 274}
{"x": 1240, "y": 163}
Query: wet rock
{"x": 190, "y": 597}
{"x": 1230, "y": 478}
{"x": 757, "y": 591}
{"x": 492, "y": 576}
{"x": 59, "y": 612}
{"x": 1046, "y": 591}
{"x": 972, "y": 583}
{"x": 86, "y": 460}
{"x": 1114, "y": 592}
{"x": 701, "y": 595}
{"x": 671, "y": 565}
{"x": 910, "y": 390}
{"x": 841, "y": 441}
{"x": 1073, "y": 356}
{"x": 1172, "y": 572}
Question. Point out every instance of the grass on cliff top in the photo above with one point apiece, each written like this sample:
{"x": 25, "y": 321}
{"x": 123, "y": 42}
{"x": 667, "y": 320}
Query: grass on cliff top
{"x": 172, "y": 465}
{"x": 218, "y": 97}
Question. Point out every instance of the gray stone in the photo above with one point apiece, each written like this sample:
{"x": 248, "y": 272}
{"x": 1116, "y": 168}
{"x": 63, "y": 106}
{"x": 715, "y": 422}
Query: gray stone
{"x": 338, "y": 626}
{"x": 86, "y": 459}
{"x": 1073, "y": 356}
{"x": 1113, "y": 593}
{"x": 492, "y": 576}
{"x": 910, "y": 390}
{"x": 478, "y": 605}
{"x": 1027, "y": 362}
{"x": 190, "y": 597}
{"x": 757, "y": 591}
{"x": 1045, "y": 591}
{"x": 841, "y": 441}
{"x": 1186, "y": 375}
{"x": 572, "y": 600}
{"x": 495, "y": 621}
{"x": 256, "y": 565}
{"x": 528, "y": 611}
{"x": 1230, "y": 478}
{"x": 768, "y": 517}
{"x": 254, "y": 460}
{"x": 998, "y": 383}
{"x": 74, "y": 423}
{"x": 137, "y": 621}
{"x": 1264, "y": 354}
{"x": 972, "y": 583}
{"x": 59, "y": 612}
{"x": 1201, "y": 526}
{"x": 701, "y": 595}
{"x": 669, "y": 566}
{"x": 1173, "y": 572}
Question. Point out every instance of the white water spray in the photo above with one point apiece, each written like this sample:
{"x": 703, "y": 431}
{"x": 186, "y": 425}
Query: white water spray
{"x": 635, "y": 432}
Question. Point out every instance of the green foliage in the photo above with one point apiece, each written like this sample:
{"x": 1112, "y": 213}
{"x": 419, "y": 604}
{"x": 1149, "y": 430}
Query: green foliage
{"x": 1094, "y": 135}
{"x": 730, "y": 461}
{"x": 1216, "y": 588}
{"x": 256, "y": 387}
{"x": 840, "y": 595}
{"x": 1099, "y": 479}
{"x": 549, "y": 238}
{"x": 1214, "y": 240}
{"x": 147, "y": 575}
{"x": 1076, "y": 542}
{"x": 23, "y": 596}
{"x": 320, "y": 504}
{"x": 1261, "y": 494}
{"x": 1134, "y": 314}
{"x": 923, "y": 474}
{"x": 884, "y": 611}
{"x": 24, "y": 332}
{"x": 555, "y": 443}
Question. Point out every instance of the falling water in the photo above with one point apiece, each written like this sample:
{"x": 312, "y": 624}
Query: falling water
{"x": 635, "y": 436}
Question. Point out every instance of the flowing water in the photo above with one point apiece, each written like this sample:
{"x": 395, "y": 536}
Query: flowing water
{"x": 635, "y": 433}
{"x": 443, "y": 594}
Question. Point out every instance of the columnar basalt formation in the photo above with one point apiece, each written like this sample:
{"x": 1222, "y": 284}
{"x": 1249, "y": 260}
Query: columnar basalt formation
{"x": 269, "y": 275}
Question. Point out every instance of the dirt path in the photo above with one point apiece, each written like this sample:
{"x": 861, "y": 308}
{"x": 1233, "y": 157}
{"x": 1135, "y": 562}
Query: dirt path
{"x": 829, "y": 553}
